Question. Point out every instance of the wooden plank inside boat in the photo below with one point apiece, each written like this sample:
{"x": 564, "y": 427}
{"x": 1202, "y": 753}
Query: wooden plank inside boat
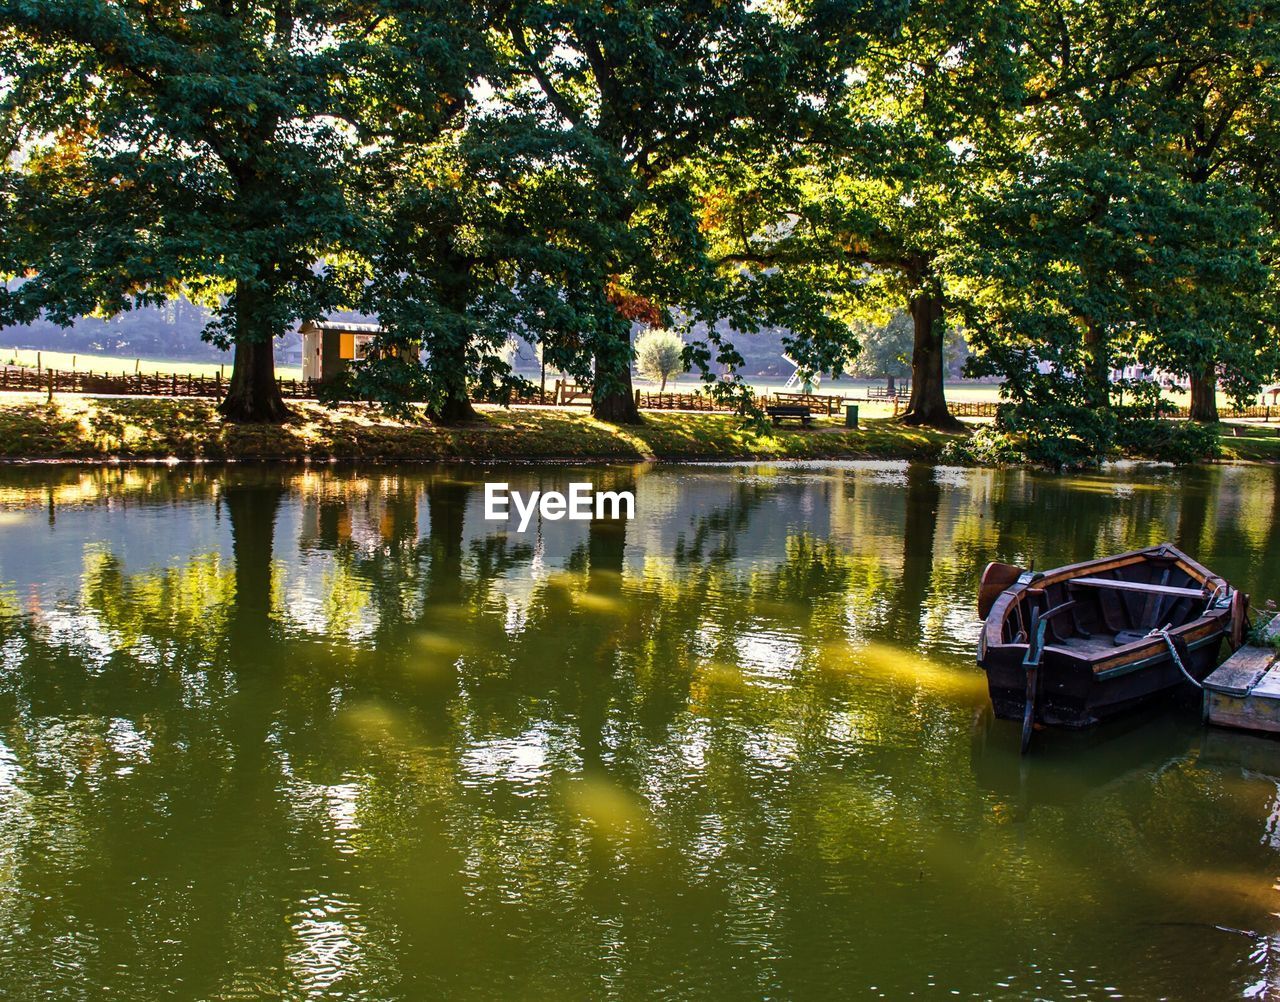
{"x": 1147, "y": 589}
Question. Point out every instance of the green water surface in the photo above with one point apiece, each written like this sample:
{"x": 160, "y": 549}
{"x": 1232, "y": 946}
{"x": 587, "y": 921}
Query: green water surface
{"x": 331, "y": 735}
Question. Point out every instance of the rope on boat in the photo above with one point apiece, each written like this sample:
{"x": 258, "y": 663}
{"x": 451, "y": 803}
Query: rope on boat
{"x": 1213, "y": 598}
{"x": 1163, "y": 632}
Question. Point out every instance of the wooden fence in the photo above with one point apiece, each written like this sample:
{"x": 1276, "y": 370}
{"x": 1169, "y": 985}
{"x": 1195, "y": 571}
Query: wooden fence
{"x": 972, "y": 408}
{"x": 1235, "y": 413}
{"x": 681, "y": 402}
{"x": 17, "y": 377}
{"x": 818, "y": 403}
{"x": 145, "y": 384}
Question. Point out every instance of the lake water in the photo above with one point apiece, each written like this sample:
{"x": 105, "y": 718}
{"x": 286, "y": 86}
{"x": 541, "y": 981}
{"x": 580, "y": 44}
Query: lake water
{"x": 330, "y": 734}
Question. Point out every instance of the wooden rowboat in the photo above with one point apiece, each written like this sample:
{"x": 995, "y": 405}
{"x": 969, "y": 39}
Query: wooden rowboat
{"x": 1074, "y": 645}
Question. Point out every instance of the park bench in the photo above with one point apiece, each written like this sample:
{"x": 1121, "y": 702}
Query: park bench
{"x": 780, "y": 412}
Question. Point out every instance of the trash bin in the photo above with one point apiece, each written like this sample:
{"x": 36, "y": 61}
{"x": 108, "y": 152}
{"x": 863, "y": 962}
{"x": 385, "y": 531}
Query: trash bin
{"x": 851, "y": 416}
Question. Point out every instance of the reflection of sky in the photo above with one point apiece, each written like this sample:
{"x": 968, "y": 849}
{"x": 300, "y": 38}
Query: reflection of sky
{"x": 143, "y": 537}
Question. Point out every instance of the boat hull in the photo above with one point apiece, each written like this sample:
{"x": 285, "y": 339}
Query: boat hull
{"x": 1076, "y": 692}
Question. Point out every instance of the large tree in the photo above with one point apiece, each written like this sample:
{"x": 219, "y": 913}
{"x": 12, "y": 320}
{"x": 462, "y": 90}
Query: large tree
{"x": 865, "y": 201}
{"x": 478, "y": 239}
{"x": 210, "y": 148}
{"x": 1225, "y": 98}
{"x": 646, "y": 92}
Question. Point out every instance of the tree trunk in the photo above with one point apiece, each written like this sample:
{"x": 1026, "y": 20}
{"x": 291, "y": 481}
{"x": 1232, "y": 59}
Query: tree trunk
{"x": 928, "y": 402}
{"x": 923, "y": 498}
{"x": 446, "y": 511}
{"x": 893, "y": 386}
{"x": 612, "y": 398}
{"x": 253, "y": 395}
{"x": 663, "y": 387}
{"x": 252, "y": 504}
{"x": 1204, "y": 396}
{"x": 1097, "y": 366}
{"x": 456, "y": 407}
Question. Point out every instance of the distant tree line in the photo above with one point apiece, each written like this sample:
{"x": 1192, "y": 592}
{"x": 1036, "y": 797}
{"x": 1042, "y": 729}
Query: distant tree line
{"x": 1075, "y": 187}
{"x": 169, "y": 330}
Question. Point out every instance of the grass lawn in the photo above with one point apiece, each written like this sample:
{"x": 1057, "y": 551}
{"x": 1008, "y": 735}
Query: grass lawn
{"x": 1251, "y": 442}
{"x": 83, "y": 427}
{"x": 114, "y": 365}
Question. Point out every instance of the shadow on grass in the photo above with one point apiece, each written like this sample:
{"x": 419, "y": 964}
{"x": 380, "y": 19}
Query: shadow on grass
{"x": 31, "y": 429}
{"x": 190, "y": 428}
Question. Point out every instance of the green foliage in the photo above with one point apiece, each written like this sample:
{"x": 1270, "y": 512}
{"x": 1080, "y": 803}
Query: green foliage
{"x": 1261, "y": 633}
{"x": 660, "y": 355}
{"x": 868, "y": 206}
{"x": 1126, "y": 226}
{"x": 987, "y": 446}
{"x": 1050, "y": 422}
{"x": 1056, "y": 446}
{"x": 632, "y": 105}
{"x": 1181, "y": 442}
{"x": 886, "y": 350}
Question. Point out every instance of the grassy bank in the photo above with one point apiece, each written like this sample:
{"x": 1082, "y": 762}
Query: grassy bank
{"x": 79, "y": 427}
{"x": 100, "y": 428}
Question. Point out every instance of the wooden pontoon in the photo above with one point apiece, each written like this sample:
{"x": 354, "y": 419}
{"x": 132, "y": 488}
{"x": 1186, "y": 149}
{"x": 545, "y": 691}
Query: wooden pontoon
{"x": 1074, "y": 645}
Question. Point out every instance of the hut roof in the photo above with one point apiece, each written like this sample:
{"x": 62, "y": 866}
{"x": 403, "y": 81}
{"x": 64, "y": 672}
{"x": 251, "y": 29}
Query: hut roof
{"x": 342, "y": 326}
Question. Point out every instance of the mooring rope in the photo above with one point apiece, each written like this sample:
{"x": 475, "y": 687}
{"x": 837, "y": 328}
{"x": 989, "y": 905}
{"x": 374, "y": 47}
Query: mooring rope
{"x": 1173, "y": 653}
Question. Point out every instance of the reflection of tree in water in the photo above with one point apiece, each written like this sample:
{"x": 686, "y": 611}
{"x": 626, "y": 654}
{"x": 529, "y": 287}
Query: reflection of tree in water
{"x": 919, "y": 533}
{"x": 166, "y": 737}
{"x": 715, "y": 532}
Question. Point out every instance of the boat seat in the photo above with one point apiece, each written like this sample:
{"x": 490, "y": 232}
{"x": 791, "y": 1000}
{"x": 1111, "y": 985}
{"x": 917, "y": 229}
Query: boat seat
{"x": 1124, "y": 637}
{"x": 1137, "y": 586}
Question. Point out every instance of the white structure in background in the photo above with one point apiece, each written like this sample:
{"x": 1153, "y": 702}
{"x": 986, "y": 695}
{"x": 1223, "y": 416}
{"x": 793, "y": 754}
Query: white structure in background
{"x": 1134, "y": 372}
{"x": 798, "y": 383}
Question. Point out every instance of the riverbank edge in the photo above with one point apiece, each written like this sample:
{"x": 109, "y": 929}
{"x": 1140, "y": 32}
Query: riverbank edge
{"x": 83, "y": 429}
{"x": 78, "y": 429}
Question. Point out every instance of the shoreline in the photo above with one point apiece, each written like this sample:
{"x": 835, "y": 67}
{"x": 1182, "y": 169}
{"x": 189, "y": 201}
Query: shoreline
{"x": 80, "y": 429}
{"x": 106, "y": 430}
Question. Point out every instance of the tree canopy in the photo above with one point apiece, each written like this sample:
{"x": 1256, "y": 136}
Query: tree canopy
{"x": 660, "y": 356}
